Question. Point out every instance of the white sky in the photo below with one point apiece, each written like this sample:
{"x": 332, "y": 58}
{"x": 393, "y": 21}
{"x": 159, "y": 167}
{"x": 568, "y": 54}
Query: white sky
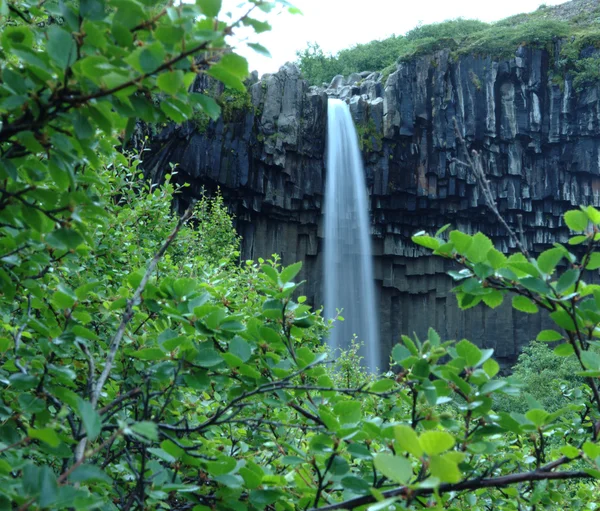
{"x": 338, "y": 24}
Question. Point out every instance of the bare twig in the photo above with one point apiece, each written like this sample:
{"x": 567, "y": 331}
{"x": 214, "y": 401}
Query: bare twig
{"x": 19, "y": 335}
{"x": 474, "y": 163}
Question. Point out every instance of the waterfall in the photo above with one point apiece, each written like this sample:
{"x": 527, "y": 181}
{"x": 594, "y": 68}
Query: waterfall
{"x": 348, "y": 278}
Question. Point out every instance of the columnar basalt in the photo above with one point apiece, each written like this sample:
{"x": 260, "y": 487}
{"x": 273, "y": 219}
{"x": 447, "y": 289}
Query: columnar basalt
{"x": 539, "y": 141}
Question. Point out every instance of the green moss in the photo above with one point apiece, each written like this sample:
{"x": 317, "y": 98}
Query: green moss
{"x": 475, "y": 79}
{"x": 385, "y": 73}
{"x": 234, "y": 104}
{"x": 200, "y": 120}
{"x": 559, "y": 80}
{"x": 584, "y": 70}
{"x": 369, "y": 138}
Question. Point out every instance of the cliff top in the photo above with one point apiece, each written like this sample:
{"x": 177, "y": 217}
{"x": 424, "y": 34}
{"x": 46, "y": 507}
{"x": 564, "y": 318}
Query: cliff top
{"x": 576, "y": 22}
{"x": 580, "y": 12}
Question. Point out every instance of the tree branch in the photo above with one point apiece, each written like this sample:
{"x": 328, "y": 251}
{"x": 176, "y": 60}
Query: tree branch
{"x": 470, "y": 484}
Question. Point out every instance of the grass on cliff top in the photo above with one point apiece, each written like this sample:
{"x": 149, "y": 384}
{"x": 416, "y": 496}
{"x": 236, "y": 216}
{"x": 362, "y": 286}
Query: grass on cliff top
{"x": 578, "y": 27}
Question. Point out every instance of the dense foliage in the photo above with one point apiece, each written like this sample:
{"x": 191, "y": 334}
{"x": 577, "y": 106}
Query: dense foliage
{"x": 465, "y": 37}
{"x": 550, "y": 380}
{"x": 143, "y": 367}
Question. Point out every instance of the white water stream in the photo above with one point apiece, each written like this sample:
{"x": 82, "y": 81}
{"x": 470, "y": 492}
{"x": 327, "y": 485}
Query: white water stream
{"x": 349, "y": 282}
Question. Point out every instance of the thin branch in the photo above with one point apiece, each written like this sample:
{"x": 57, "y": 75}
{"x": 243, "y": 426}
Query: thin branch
{"x": 133, "y": 302}
{"x": 19, "y": 335}
{"x": 470, "y": 484}
{"x": 119, "y": 400}
{"x": 127, "y": 317}
{"x": 474, "y": 163}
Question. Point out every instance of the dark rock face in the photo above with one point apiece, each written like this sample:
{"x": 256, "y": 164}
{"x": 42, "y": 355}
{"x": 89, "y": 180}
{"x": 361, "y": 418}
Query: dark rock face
{"x": 539, "y": 142}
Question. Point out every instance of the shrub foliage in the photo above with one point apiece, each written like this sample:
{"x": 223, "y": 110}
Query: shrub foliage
{"x": 142, "y": 367}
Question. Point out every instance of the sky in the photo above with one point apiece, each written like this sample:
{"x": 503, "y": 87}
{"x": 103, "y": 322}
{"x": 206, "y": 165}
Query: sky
{"x": 338, "y": 24}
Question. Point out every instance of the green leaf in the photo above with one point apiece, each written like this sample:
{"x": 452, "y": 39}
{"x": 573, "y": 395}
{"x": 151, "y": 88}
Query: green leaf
{"x": 563, "y": 320}
{"x": 93, "y": 10}
{"x": 576, "y": 220}
{"x": 578, "y": 240}
{"x": 149, "y": 354}
{"x": 260, "y": 49}
{"x": 208, "y": 357}
{"x": 63, "y": 297}
{"x": 269, "y": 335}
{"x": 223, "y": 465}
{"x": 524, "y": 304}
{"x": 407, "y": 440}
{"x": 207, "y": 105}
{"x": 593, "y": 214}
{"x": 258, "y": 26}
{"x": 548, "y": 260}
{"x": 564, "y": 350}
{"x": 400, "y": 353}
{"x": 479, "y": 248}
{"x": 231, "y": 70}
{"x": 471, "y": 353}
{"x": 146, "y": 429}
{"x": 64, "y": 239}
{"x": 433, "y": 337}
{"x": 493, "y": 299}
{"x": 240, "y": 348}
{"x": 436, "y": 442}
{"x": 270, "y": 272}
{"x": 89, "y": 474}
{"x": 591, "y": 360}
{"x": 496, "y": 258}
{"x": 538, "y": 417}
{"x": 61, "y": 47}
{"x": 461, "y": 241}
{"x": 170, "y": 82}
{"x": 356, "y": 485}
{"x": 492, "y": 386}
{"x": 549, "y": 336}
{"x": 491, "y": 367}
{"x": 569, "y": 451}
{"x": 591, "y": 450}
{"x": 90, "y": 418}
{"x": 288, "y": 273}
{"x": 383, "y": 385}
{"x": 47, "y": 435}
{"x": 348, "y": 412}
{"x": 593, "y": 262}
{"x": 395, "y": 468}
{"x": 210, "y": 8}
{"x": 445, "y": 469}
{"x": 252, "y": 474}
{"x": 426, "y": 241}
{"x": 567, "y": 280}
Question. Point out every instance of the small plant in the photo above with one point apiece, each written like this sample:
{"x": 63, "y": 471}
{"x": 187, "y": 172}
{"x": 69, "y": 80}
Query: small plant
{"x": 348, "y": 370}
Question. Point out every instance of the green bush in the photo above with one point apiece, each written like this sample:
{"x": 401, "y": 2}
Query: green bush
{"x": 547, "y": 378}
{"x": 142, "y": 368}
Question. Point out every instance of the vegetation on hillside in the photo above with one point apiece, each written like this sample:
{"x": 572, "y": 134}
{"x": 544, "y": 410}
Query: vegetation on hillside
{"x": 142, "y": 366}
{"x": 540, "y": 29}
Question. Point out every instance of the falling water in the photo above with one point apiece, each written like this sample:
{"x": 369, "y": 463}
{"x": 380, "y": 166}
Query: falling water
{"x": 349, "y": 283}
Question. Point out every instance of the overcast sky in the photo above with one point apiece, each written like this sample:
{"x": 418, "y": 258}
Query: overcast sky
{"x": 338, "y": 24}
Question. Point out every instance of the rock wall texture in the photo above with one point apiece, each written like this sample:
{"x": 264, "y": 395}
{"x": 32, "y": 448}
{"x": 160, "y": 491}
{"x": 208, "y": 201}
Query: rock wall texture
{"x": 540, "y": 145}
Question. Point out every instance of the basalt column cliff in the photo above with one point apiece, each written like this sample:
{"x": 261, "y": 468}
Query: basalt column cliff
{"x": 540, "y": 144}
